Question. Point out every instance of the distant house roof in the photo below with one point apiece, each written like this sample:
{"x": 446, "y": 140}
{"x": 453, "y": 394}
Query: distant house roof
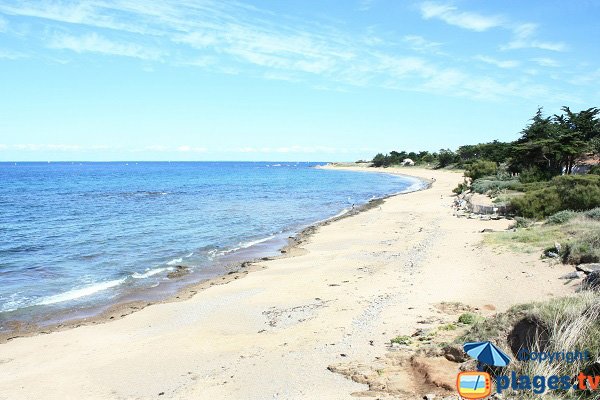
{"x": 590, "y": 160}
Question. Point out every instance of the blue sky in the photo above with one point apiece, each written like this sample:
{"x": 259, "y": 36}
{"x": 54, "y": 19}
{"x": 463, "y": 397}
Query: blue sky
{"x": 284, "y": 80}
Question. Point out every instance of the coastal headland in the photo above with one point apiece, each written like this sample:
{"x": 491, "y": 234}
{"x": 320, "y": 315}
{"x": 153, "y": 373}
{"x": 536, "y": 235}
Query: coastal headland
{"x": 283, "y": 330}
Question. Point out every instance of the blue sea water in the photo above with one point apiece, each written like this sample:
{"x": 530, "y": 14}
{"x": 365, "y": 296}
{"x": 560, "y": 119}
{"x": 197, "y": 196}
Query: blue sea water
{"x": 81, "y": 235}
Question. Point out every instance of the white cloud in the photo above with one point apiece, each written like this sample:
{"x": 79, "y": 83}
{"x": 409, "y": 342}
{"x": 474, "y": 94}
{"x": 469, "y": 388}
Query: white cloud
{"x": 233, "y": 38}
{"x": 191, "y": 149}
{"x": 592, "y": 77}
{"x": 54, "y": 147}
{"x": 446, "y": 80}
{"x": 202, "y": 61}
{"x": 420, "y": 44}
{"x": 497, "y": 63}
{"x": 294, "y": 149}
{"x": 523, "y": 38}
{"x": 155, "y": 147}
{"x": 199, "y": 40}
{"x": 3, "y": 24}
{"x": 61, "y": 147}
{"x": 94, "y": 43}
{"x": 523, "y": 34}
{"x": 462, "y": 19}
{"x": 365, "y": 5}
{"x": 11, "y": 55}
{"x": 546, "y": 62}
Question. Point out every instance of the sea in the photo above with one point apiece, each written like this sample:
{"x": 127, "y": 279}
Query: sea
{"x": 78, "y": 237}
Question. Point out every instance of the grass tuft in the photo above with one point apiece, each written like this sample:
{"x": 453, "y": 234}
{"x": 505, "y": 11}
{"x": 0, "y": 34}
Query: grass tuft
{"x": 467, "y": 318}
{"x": 403, "y": 340}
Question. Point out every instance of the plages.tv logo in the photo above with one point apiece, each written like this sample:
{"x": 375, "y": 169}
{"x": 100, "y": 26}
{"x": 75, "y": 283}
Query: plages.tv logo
{"x": 473, "y": 384}
{"x": 478, "y": 384}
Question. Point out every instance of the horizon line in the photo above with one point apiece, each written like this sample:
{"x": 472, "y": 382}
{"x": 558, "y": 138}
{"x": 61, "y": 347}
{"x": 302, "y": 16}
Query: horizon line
{"x": 162, "y": 161}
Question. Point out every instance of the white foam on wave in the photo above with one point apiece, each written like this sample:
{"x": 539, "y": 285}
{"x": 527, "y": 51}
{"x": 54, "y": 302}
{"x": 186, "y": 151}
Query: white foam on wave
{"x": 13, "y": 303}
{"x": 175, "y": 261}
{"x": 344, "y": 211}
{"x": 245, "y": 245}
{"x": 81, "y": 292}
{"x": 418, "y": 185}
{"x": 149, "y": 273}
{"x": 241, "y": 245}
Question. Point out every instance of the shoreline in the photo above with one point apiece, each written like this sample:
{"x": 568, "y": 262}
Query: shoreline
{"x": 232, "y": 271}
{"x": 325, "y": 312}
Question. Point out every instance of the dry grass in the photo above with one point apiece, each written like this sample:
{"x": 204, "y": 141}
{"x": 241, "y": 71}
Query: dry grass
{"x": 540, "y": 236}
{"x": 570, "y": 324}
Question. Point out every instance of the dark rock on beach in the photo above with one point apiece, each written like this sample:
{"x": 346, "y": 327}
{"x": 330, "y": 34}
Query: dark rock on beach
{"x": 573, "y": 275}
{"x": 588, "y": 268}
{"x": 591, "y": 281}
{"x": 178, "y": 272}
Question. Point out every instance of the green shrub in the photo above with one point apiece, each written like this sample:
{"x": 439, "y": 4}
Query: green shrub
{"x": 533, "y": 174}
{"x": 595, "y": 170}
{"x": 521, "y": 222}
{"x": 404, "y": 340}
{"x": 461, "y": 188}
{"x": 583, "y": 249}
{"x": 481, "y": 168}
{"x": 568, "y": 192}
{"x": 483, "y": 186}
{"x": 594, "y": 213}
{"x": 467, "y": 318}
{"x": 561, "y": 217}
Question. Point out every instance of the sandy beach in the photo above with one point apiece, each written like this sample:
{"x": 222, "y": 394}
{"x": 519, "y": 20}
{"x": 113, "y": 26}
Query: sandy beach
{"x": 337, "y": 299}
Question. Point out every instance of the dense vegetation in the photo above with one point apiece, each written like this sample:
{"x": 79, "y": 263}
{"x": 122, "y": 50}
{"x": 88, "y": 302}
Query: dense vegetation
{"x": 540, "y": 163}
{"x": 576, "y": 192}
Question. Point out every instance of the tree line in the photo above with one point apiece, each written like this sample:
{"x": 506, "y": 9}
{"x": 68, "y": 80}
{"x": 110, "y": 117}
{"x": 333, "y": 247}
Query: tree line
{"x": 547, "y": 147}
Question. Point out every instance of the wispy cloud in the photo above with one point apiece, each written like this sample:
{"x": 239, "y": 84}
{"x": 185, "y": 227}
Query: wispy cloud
{"x": 68, "y": 148}
{"x": 3, "y": 24}
{"x": 230, "y": 37}
{"x": 524, "y": 38}
{"x": 94, "y": 43}
{"x": 497, "y": 63}
{"x": 422, "y": 45}
{"x": 546, "y": 62}
{"x": 61, "y": 147}
{"x": 523, "y": 34}
{"x": 191, "y": 149}
{"x": 298, "y": 150}
{"x": 463, "y": 19}
{"x": 11, "y": 55}
{"x": 365, "y": 5}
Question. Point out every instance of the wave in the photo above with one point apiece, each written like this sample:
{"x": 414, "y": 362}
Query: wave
{"x": 245, "y": 245}
{"x": 418, "y": 185}
{"x": 81, "y": 292}
{"x": 175, "y": 261}
{"x": 320, "y": 221}
{"x": 13, "y": 303}
{"x": 150, "y": 272}
{"x": 241, "y": 245}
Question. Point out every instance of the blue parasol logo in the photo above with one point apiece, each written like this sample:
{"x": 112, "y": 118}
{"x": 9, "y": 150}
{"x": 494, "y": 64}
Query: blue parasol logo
{"x": 486, "y": 353}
